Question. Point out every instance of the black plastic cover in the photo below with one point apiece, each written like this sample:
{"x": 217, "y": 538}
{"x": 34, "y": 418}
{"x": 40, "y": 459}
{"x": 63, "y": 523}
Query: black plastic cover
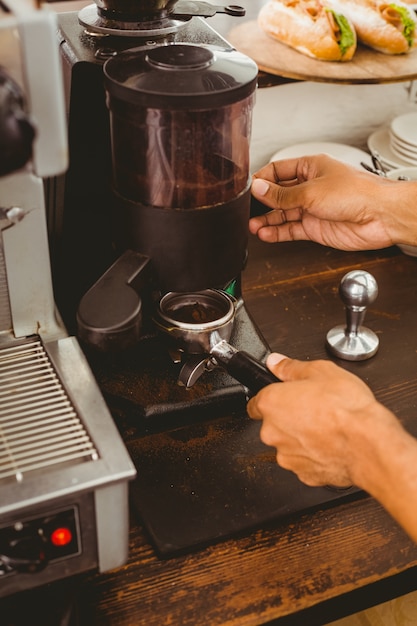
{"x": 180, "y": 76}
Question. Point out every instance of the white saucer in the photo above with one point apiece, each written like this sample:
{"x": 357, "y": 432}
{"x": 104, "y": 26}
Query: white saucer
{"x": 379, "y": 141}
{"x": 340, "y": 151}
{"x": 401, "y": 145}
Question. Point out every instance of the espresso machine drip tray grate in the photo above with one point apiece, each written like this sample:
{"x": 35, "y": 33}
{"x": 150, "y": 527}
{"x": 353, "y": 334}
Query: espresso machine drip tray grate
{"x": 39, "y": 425}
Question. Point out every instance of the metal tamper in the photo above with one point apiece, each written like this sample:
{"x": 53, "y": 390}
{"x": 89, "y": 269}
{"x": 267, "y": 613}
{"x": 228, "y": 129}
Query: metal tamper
{"x": 355, "y": 342}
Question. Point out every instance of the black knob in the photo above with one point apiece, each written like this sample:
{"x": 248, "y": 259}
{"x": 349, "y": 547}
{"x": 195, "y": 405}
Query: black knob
{"x": 16, "y": 130}
{"x": 24, "y": 554}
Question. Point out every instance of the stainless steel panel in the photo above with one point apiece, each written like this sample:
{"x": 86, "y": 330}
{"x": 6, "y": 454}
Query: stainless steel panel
{"x": 39, "y": 425}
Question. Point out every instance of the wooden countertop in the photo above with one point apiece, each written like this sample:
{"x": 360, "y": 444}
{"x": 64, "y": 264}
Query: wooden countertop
{"x": 317, "y": 566}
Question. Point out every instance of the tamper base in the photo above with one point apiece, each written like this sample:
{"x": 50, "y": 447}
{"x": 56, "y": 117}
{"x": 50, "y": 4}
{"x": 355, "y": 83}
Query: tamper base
{"x": 352, "y": 346}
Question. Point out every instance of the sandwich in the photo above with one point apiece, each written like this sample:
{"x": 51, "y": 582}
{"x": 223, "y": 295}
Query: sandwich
{"x": 388, "y": 27}
{"x": 310, "y": 27}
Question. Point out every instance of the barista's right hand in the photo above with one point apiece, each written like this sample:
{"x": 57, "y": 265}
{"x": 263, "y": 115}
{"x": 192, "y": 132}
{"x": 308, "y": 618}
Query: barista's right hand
{"x": 328, "y": 428}
{"x": 320, "y": 418}
{"x": 320, "y": 199}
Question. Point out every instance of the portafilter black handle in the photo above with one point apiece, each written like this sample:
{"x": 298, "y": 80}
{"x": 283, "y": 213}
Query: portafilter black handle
{"x": 243, "y": 367}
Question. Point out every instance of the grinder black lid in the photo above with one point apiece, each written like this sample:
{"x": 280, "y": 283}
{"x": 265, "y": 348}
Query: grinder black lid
{"x": 180, "y": 76}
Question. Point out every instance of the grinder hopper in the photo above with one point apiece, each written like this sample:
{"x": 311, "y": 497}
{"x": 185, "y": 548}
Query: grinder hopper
{"x": 180, "y": 118}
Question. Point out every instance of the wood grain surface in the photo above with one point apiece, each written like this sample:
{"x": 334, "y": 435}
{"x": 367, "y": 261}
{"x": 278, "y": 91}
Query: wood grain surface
{"x": 282, "y": 573}
{"x": 250, "y": 581}
{"x": 367, "y": 66}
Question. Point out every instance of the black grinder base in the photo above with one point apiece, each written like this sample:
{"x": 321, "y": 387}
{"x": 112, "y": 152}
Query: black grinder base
{"x": 209, "y": 481}
{"x": 142, "y": 384}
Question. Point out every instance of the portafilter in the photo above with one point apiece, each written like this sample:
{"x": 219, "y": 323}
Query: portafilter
{"x": 200, "y": 324}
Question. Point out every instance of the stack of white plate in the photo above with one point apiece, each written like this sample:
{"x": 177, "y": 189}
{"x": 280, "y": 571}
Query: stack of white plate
{"x": 396, "y": 144}
{"x": 403, "y": 137}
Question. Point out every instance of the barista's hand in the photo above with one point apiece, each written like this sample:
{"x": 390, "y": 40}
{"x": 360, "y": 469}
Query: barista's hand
{"x": 329, "y": 429}
{"x": 315, "y": 417}
{"x": 321, "y": 199}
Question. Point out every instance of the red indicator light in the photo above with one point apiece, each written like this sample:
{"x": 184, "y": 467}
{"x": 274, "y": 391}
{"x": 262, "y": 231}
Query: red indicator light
{"x": 61, "y": 536}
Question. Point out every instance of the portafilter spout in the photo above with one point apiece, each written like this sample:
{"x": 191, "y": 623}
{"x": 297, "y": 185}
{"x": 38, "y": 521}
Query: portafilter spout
{"x": 201, "y": 324}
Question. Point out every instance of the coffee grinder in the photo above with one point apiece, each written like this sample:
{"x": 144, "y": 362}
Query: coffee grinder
{"x": 180, "y": 119}
{"x": 174, "y": 203}
{"x": 150, "y": 231}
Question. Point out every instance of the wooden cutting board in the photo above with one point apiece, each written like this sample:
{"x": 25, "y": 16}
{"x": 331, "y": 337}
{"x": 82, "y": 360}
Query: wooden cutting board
{"x": 367, "y": 66}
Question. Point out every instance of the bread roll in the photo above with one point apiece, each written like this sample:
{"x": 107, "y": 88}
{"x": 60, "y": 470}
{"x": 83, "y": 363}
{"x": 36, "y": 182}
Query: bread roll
{"x": 310, "y": 28}
{"x": 389, "y": 27}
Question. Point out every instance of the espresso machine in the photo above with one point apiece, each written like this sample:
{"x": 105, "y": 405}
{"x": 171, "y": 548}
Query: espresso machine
{"x": 149, "y": 231}
{"x": 64, "y": 469}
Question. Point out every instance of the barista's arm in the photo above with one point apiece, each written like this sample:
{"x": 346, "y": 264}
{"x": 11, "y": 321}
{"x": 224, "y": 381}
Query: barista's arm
{"x": 328, "y": 428}
{"x": 320, "y": 199}
{"x": 390, "y": 474}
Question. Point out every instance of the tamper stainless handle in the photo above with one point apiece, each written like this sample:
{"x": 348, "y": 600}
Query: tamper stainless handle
{"x": 354, "y": 342}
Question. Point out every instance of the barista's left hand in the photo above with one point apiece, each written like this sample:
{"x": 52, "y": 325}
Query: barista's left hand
{"x": 320, "y": 199}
